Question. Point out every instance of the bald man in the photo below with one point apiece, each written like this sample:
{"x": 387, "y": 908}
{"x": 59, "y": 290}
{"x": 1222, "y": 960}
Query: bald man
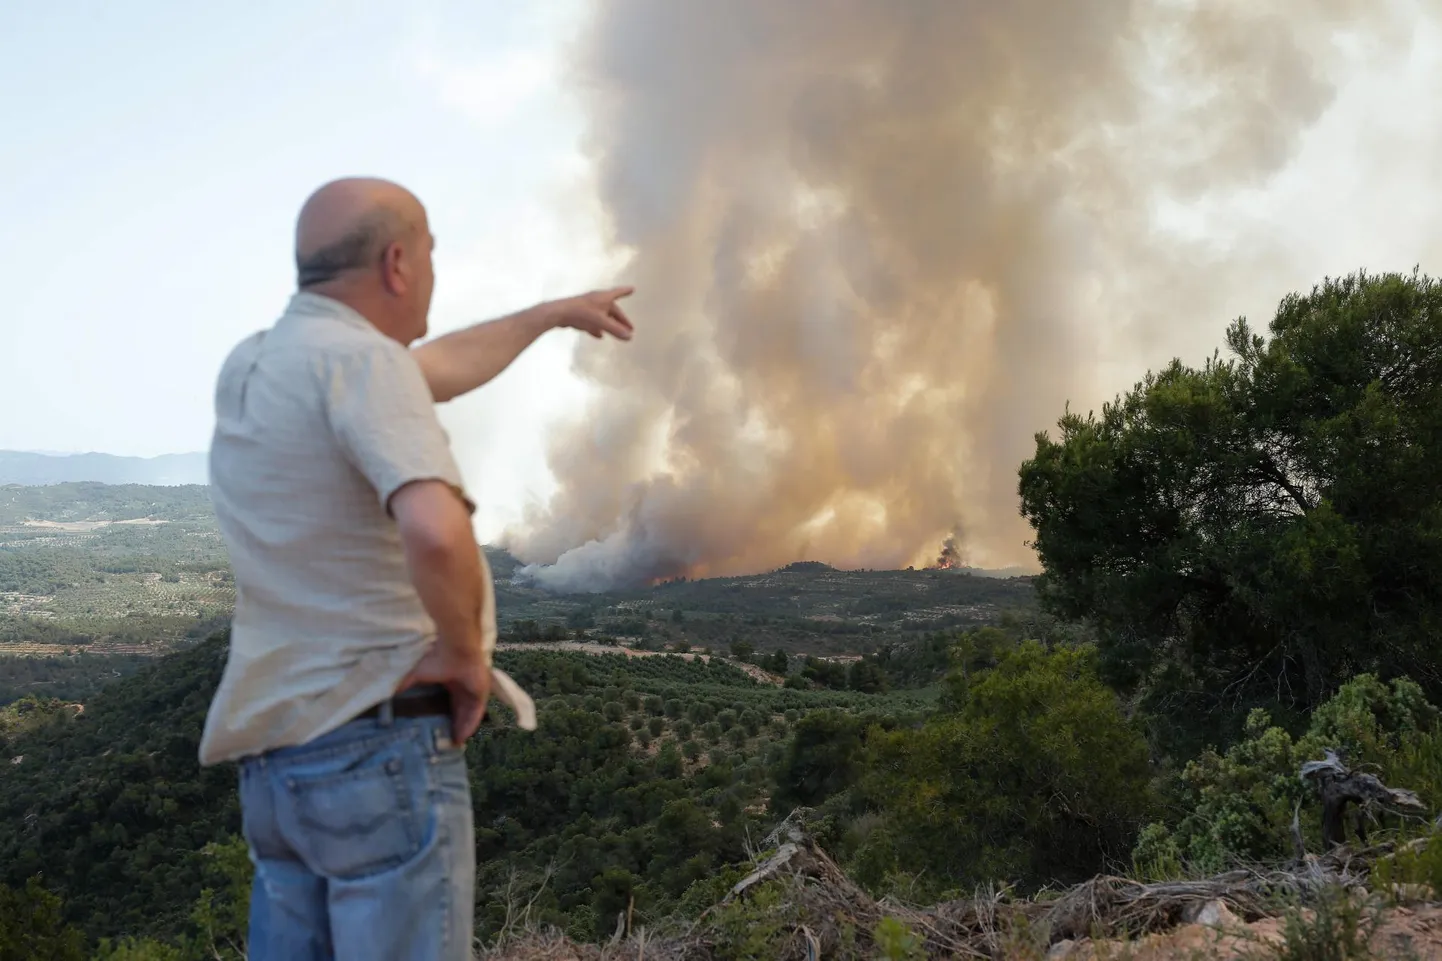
{"x": 359, "y": 660}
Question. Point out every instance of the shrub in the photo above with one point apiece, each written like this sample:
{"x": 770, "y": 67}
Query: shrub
{"x": 1337, "y": 926}
{"x": 1240, "y": 803}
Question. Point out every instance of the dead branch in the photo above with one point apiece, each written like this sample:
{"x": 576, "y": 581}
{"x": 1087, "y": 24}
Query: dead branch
{"x": 821, "y": 913}
{"x": 1340, "y": 786}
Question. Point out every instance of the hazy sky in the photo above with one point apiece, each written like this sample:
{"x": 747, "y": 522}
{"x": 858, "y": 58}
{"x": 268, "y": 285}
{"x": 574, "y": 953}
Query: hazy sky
{"x": 156, "y": 152}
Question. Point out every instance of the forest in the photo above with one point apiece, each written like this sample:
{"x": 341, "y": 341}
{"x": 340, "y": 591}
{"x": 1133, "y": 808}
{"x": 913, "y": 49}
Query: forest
{"x": 1242, "y": 574}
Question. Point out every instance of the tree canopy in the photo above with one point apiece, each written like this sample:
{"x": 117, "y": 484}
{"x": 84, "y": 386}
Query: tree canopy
{"x": 1261, "y": 528}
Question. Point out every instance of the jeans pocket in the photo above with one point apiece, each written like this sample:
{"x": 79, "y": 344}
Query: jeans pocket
{"x": 362, "y": 816}
{"x": 443, "y": 745}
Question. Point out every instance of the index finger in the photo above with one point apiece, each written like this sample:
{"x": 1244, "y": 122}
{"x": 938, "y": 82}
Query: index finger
{"x": 617, "y": 314}
{"x": 616, "y": 293}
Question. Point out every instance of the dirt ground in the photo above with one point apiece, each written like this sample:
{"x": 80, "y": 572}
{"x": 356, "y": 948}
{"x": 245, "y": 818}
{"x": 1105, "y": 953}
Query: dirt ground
{"x": 756, "y": 673}
{"x": 1404, "y": 934}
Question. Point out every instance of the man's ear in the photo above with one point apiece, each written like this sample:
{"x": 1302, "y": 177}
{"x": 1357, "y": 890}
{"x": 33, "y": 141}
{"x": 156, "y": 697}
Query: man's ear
{"x": 395, "y": 269}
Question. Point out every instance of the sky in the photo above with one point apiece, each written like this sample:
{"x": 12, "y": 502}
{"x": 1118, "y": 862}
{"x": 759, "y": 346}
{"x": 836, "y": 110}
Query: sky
{"x": 156, "y": 153}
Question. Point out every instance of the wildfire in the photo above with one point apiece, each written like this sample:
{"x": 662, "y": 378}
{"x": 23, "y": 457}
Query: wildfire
{"x": 950, "y": 556}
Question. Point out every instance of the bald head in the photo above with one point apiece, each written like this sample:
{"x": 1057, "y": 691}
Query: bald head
{"x": 366, "y": 242}
{"x": 347, "y": 223}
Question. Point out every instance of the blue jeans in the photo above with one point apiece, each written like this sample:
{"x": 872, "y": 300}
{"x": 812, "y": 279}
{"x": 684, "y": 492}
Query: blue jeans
{"x": 363, "y": 844}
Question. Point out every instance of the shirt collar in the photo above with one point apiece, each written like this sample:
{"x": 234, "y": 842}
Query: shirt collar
{"x": 303, "y": 303}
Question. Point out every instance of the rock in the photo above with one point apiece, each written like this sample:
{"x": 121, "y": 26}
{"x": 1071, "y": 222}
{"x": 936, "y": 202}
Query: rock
{"x": 1212, "y": 914}
{"x": 1062, "y": 949}
{"x": 1413, "y": 893}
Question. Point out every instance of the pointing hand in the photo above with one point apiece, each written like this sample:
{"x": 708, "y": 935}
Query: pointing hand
{"x": 596, "y": 313}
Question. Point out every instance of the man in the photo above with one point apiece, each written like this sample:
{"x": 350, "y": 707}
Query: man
{"x": 359, "y": 651}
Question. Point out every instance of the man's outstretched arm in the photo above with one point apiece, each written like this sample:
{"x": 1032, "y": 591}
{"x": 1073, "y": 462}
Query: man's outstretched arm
{"x": 459, "y": 362}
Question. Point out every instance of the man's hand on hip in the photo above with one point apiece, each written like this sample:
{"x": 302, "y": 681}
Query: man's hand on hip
{"x": 464, "y": 672}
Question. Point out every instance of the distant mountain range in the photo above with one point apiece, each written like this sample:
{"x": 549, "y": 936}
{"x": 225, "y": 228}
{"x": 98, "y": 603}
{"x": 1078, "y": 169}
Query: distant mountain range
{"x": 167, "y": 470}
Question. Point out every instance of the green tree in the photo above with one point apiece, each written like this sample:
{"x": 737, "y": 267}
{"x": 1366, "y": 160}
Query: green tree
{"x": 614, "y": 890}
{"x": 1037, "y": 777}
{"x": 866, "y": 676}
{"x": 822, "y": 758}
{"x": 1271, "y": 522}
{"x": 221, "y": 916}
{"x": 138, "y": 949}
{"x": 32, "y": 928}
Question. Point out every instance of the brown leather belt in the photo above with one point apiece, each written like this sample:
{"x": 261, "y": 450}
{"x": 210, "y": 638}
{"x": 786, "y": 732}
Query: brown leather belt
{"x": 420, "y": 702}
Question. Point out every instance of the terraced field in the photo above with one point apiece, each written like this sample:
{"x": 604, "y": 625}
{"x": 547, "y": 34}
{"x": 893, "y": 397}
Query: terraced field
{"x": 108, "y": 570}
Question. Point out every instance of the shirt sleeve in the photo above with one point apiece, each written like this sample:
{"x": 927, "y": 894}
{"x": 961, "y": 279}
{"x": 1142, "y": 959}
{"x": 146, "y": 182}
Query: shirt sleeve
{"x": 384, "y": 420}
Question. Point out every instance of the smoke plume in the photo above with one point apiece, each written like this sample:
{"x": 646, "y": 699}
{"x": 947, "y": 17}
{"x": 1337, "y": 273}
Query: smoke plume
{"x": 878, "y": 245}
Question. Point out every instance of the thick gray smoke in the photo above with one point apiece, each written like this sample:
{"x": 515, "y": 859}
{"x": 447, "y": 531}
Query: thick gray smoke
{"x": 878, "y": 244}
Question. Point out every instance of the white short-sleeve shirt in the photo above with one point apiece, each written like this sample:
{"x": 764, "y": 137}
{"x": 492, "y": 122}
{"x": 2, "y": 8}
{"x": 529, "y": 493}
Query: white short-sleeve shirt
{"x": 319, "y": 420}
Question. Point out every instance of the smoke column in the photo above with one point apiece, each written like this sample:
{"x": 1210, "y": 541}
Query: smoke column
{"x": 878, "y": 244}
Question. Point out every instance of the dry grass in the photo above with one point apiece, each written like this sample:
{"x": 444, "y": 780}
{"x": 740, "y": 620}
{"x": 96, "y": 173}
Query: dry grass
{"x": 799, "y": 906}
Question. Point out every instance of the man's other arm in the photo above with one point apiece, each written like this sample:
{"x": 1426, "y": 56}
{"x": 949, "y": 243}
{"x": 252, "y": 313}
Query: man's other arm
{"x": 443, "y": 558}
{"x": 444, "y": 562}
{"x": 380, "y": 410}
{"x": 459, "y": 362}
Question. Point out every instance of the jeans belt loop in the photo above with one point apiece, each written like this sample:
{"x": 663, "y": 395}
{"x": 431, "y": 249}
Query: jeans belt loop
{"x": 387, "y": 715}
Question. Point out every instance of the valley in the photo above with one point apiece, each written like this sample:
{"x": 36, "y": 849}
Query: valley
{"x": 1216, "y": 729}
{"x": 117, "y": 572}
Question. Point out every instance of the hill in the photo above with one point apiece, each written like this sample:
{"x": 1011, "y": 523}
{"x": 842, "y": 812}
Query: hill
{"x": 682, "y": 806}
{"x": 111, "y": 569}
{"x": 135, "y": 569}
{"x": 802, "y": 608}
{"x": 31, "y": 467}
{"x": 657, "y": 766}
